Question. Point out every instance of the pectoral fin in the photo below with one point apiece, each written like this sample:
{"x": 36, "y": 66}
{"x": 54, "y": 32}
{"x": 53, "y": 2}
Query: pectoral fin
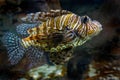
{"x": 56, "y": 38}
{"x": 61, "y": 57}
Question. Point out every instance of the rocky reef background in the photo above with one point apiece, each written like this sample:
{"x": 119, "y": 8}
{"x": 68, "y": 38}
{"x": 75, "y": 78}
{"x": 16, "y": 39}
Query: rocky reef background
{"x": 102, "y": 52}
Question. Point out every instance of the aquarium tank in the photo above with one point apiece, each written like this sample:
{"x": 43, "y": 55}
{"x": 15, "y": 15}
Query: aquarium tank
{"x": 59, "y": 40}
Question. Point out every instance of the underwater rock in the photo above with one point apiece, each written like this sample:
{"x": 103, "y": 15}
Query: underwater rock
{"x": 47, "y": 72}
{"x": 104, "y": 71}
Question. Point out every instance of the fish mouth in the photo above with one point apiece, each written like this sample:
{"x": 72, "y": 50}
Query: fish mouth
{"x": 98, "y": 25}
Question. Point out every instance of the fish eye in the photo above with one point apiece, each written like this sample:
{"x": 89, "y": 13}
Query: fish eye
{"x": 85, "y": 19}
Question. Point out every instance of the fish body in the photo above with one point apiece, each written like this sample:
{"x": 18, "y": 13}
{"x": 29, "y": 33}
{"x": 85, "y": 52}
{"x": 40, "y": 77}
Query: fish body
{"x": 56, "y": 32}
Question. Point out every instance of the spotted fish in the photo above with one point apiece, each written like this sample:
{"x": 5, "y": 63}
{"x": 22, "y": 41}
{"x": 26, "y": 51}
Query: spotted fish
{"x": 57, "y": 32}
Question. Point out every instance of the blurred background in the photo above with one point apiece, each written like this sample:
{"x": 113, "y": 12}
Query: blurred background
{"x": 97, "y": 59}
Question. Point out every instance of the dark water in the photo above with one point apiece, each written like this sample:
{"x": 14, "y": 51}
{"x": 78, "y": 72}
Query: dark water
{"x": 103, "y": 51}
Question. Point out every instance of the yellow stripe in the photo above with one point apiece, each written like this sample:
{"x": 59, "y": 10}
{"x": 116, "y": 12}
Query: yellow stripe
{"x": 91, "y": 29}
{"x": 58, "y": 22}
{"x": 47, "y": 26}
{"x": 73, "y": 21}
{"x": 41, "y": 28}
{"x": 68, "y": 19}
{"x": 37, "y": 31}
{"x": 51, "y": 24}
{"x": 75, "y": 25}
{"x": 80, "y": 28}
{"x": 32, "y": 31}
{"x": 25, "y": 43}
{"x": 61, "y": 19}
{"x": 29, "y": 42}
{"x": 32, "y": 42}
{"x": 44, "y": 27}
{"x": 83, "y": 30}
{"x": 79, "y": 23}
{"x": 55, "y": 21}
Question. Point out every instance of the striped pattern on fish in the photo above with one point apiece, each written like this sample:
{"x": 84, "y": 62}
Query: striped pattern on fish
{"x": 58, "y": 33}
{"x": 59, "y": 24}
{"x": 43, "y": 16}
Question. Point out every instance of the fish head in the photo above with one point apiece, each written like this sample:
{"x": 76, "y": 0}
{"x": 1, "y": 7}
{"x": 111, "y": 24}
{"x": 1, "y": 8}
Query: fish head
{"x": 88, "y": 27}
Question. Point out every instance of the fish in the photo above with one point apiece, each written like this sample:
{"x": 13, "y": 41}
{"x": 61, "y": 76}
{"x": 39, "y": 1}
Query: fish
{"x": 56, "y": 32}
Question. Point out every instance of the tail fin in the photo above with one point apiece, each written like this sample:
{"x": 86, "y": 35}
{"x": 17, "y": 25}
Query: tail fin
{"x": 14, "y": 47}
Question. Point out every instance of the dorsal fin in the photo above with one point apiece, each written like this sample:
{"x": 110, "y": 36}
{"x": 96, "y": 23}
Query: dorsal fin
{"x": 43, "y": 16}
